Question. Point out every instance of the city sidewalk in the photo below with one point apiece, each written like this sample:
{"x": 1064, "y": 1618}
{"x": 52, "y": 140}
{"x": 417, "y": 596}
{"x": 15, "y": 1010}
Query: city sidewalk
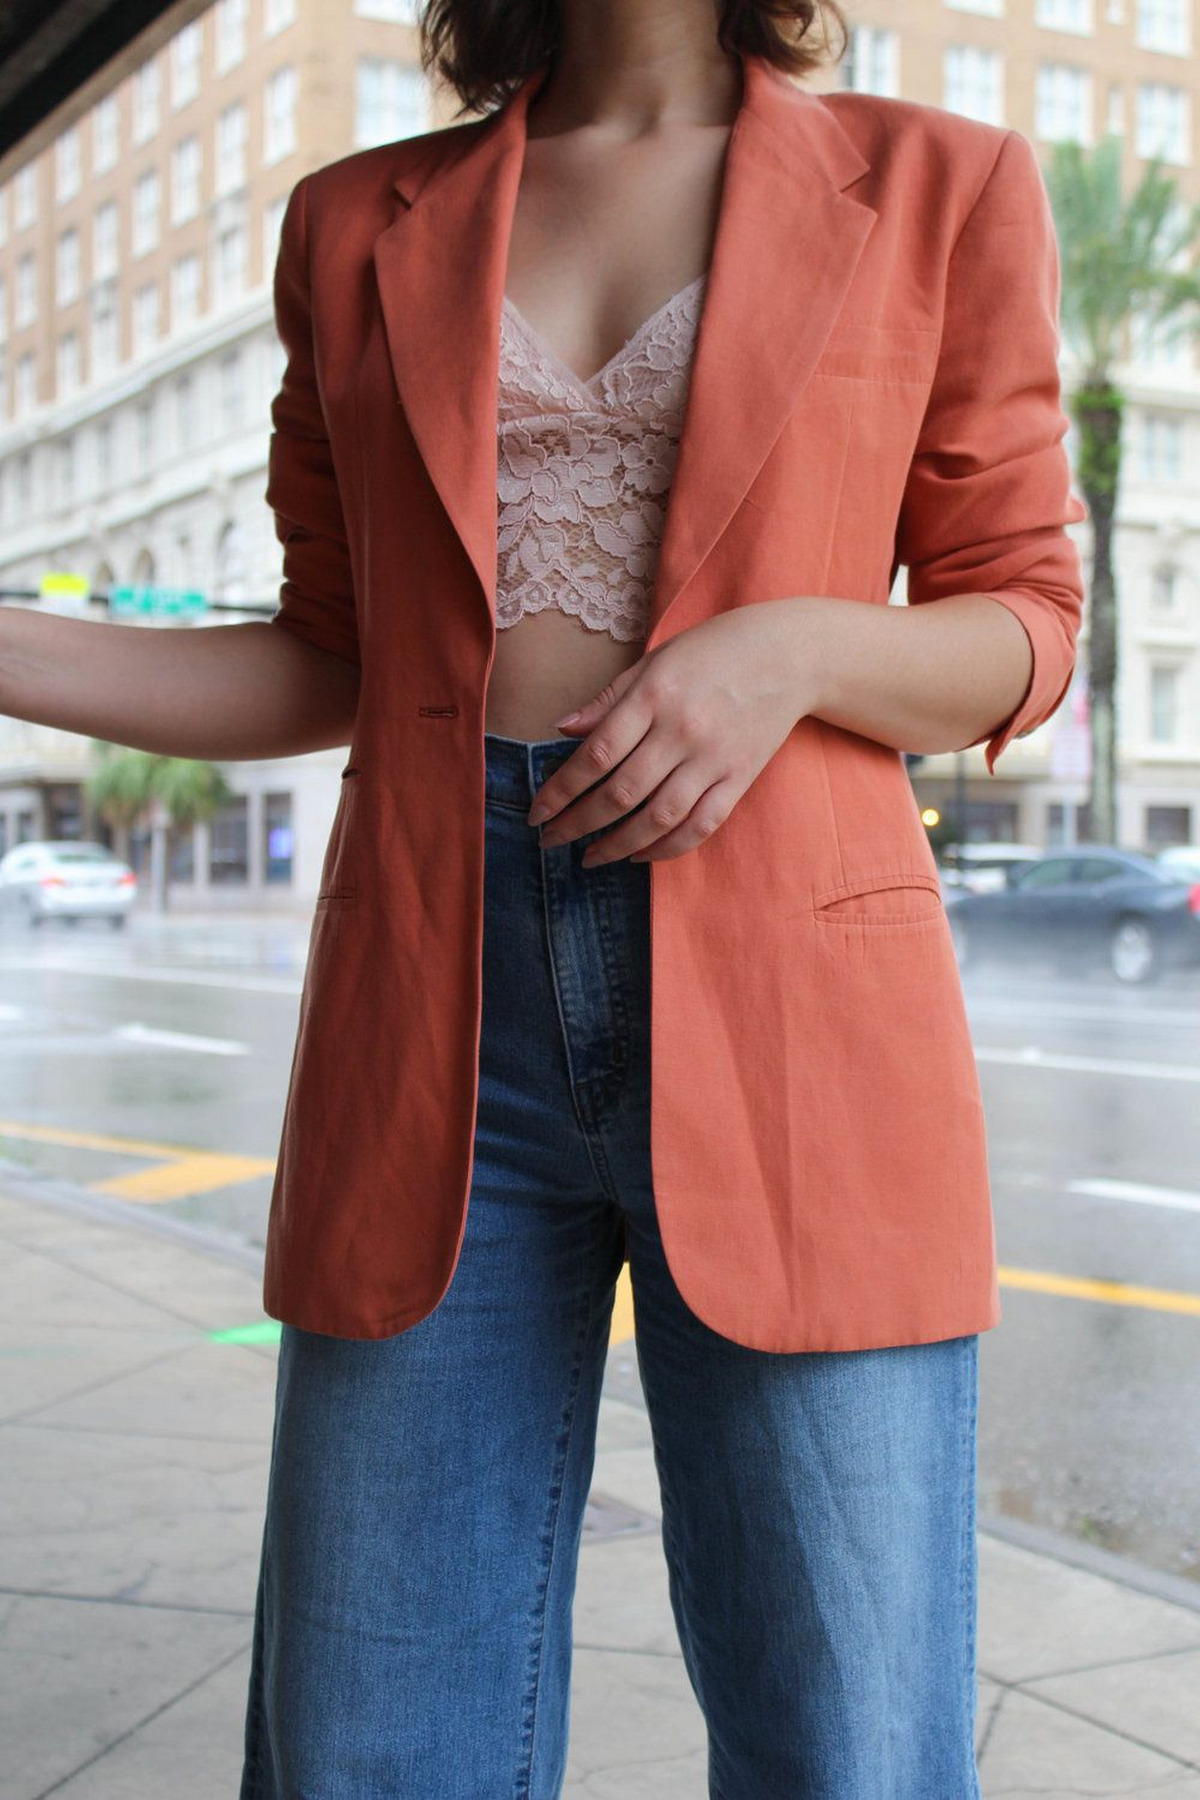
{"x": 134, "y": 1459}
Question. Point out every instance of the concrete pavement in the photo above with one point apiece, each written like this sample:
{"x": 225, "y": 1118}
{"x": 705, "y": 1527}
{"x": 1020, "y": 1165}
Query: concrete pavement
{"x": 134, "y": 1444}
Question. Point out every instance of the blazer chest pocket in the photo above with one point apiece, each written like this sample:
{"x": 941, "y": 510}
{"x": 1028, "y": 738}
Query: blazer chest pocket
{"x": 880, "y": 353}
{"x": 910, "y": 897}
{"x": 338, "y": 885}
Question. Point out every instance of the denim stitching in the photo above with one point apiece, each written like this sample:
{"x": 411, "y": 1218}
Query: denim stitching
{"x": 966, "y": 1586}
{"x": 523, "y": 1789}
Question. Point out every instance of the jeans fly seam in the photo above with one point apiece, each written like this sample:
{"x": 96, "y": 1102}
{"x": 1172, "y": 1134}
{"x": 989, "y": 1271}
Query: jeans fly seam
{"x": 562, "y": 1025}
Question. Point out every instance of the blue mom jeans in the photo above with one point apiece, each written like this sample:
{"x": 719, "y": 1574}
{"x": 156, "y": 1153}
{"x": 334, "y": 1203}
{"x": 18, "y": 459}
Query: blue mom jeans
{"x": 427, "y": 1491}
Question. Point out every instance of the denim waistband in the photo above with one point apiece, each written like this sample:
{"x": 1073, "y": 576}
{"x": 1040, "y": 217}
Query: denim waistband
{"x": 514, "y": 768}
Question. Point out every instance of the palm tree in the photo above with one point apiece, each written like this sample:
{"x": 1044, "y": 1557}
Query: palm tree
{"x": 128, "y": 785}
{"x": 1125, "y": 261}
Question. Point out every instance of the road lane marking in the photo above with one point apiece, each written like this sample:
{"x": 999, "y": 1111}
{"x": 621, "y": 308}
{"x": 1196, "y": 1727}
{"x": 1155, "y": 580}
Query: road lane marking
{"x": 205, "y": 1172}
{"x": 180, "y": 1169}
{"x": 1032, "y": 1056}
{"x": 1102, "y": 1188}
{"x": 136, "y": 1033}
{"x": 1112, "y": 1293}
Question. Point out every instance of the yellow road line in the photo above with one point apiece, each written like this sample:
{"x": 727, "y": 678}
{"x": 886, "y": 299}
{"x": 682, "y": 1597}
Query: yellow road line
{"x": 90, "y": 1140}
{"x": 201, "y": 1173}
{"x": 182, "y": 1171}
{"x": 1112, "y": 1293}
{"x": 179, "y": 1171}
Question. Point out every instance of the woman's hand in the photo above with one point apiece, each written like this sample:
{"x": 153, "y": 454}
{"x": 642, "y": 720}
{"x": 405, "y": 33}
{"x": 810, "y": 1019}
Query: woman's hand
{"x": 675, "y": 740}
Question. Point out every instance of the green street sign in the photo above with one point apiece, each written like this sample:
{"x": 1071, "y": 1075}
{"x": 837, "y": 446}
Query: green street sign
{"x": 157, "y": 600}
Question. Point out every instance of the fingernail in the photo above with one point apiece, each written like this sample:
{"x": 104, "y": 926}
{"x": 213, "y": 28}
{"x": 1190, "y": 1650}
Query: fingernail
{"x": 568, "y": 718}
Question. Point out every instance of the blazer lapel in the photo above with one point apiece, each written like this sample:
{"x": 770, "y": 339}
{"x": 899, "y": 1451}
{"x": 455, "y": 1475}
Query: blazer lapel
{"x": 786, "y": 245}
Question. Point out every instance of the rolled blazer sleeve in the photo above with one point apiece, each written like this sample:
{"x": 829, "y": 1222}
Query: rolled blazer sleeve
{"x": 988, "y": 492}
{"x": 316, "y": 598}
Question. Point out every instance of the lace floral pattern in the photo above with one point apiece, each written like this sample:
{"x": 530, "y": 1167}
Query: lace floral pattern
{"x": 584, "y": 469}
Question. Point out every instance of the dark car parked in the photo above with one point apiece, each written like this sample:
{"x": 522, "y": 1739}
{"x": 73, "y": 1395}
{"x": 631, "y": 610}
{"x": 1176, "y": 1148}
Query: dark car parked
{"x": 1088, "y": 905}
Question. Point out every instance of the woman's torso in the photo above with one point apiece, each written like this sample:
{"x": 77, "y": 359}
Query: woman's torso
{"x": 586, "y": 269}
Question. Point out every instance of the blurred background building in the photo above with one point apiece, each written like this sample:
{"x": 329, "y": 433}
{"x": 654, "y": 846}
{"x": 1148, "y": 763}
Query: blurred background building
{"x": 139, "y": 223}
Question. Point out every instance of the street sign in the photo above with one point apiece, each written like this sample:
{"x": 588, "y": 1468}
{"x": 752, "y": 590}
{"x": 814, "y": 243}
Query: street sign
{"x": 1071, "y": 736}
{"x": 69, "y": 592}
{"x": 161, "y": 601}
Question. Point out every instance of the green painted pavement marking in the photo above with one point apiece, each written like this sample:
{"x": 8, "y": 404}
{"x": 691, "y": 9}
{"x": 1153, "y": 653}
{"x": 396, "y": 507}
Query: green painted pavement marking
{"x": 266, "y": 1331}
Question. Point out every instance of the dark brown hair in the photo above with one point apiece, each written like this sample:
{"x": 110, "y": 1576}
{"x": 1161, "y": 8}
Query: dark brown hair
{"x": 485, "y": 49}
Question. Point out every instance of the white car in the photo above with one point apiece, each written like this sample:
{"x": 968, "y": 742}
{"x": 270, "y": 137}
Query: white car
{"x": 65, "y": 879}
{"x": 1182, "y": 860}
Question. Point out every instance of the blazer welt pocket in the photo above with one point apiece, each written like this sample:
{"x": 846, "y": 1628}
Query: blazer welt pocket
{"x": 880, "y": 353}
{"x": 907, "y": 898}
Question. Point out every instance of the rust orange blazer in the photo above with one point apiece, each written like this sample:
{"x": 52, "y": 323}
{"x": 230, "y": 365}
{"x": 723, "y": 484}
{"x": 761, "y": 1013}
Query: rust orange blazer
{"x": 874, "y": 385}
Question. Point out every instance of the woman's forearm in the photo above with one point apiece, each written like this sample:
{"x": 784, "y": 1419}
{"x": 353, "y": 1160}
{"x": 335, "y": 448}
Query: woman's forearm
{"x": 215, "y": 692}
{"x": 925, "y": 678}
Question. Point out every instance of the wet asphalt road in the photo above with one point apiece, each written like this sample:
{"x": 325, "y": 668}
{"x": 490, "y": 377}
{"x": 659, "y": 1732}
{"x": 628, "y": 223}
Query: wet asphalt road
{"x": 123, "y": 1055}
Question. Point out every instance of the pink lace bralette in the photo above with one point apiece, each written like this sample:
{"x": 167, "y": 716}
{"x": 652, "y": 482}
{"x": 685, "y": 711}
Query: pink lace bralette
{"x": 584, "y": 468}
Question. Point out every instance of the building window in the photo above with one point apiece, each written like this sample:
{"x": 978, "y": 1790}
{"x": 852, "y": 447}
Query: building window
{"x": 229, "y": 587}
{"x": 106, "y": 246}
{"x": 277, "y": 16}
{"x": 392, "y": 101}
{"x": 185, "y": 414}
{"x": 279, "y": 115}
{"x": 66, "y": 268}
{"x": 1065, "y": 15}
{"x": 392, "y": 12}
{"x": 1164, "y": 703}
{"x": 145, "y": 212}
{"x": 1164, "y": 589}
{"x": 871, "y": 65}
{"x": 1115, "y": 118}
{"x": 186, "y": 47}
{"x": 25, "y": 384}
{"x": 185, "y": 291}
{"x": 278, "y": 841}
{"x": 228, "y": 844}
{"x": 67, "y": 165}
{"x": 231, "y": 33}
{"x": 26, "y": 304}
{"x": 106, "y": 132}
{"x": 229, "y": 266}
{"x": 231, "y": 148}
{"x": 1063, "y": 104}
{"x": 1164, "y": 25}
{"x": 102, "y": 456}
{"x": 185, "y": 180}
{"x": 232, "y": 414}
{"x": 144, "y": 435}
{"x": 145, "y": 318}
{"x": 1161, "y": 445}
{"x": 106, "y": 346}
{"x": 146, "y": 92}
{"x": 68, "y": 373}
{"x": 65, "y": 472}
{"x": 1164, "y": 122}
{"x": 1167, "y": 826}
{"x": 993, "y": 8}
{"x": 25, "y": 197}
{"x": 973, "y": 83}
